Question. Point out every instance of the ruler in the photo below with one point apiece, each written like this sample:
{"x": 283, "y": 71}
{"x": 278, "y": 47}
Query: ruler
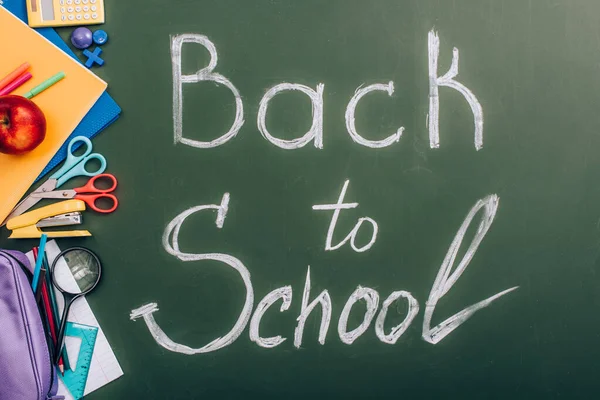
{"x": 75, "y": 380}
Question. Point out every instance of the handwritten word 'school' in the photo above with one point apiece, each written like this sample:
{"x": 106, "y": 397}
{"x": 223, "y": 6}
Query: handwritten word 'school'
{"x": 315, "y": 133}
{"x": 447, "y": 276}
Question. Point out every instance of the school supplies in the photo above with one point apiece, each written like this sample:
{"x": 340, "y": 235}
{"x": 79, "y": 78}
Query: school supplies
{"x": 65, "y": 12}
{"x": 25, "y": 226}
{"x": 73, "y": 218}
{"x": 21, "y": 69}
{"x": 27, "y": 372}
{"x": 75, "y": 380}
{"x": 45, "y": 85}
{"x": 104, "y": 112}
{"x": 38, "y": 289}
{"x": 104, "y": 367}
{"x": 73, "y": 166}
{"x": 38, "y": 262}
{"x": 50, "y": 308}
{"x": 15, "y": 84}
{"x": 89, "y": 193}
{"x": 84, "y": 267}
{"x": 64, "y": 106}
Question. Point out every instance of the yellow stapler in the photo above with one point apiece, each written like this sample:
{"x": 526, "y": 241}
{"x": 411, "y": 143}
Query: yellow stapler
{"x": 25, "y": 226}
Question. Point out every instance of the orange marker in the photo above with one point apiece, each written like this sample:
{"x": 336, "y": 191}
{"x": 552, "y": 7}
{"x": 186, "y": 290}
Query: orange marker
{"x": 14, "y": 75}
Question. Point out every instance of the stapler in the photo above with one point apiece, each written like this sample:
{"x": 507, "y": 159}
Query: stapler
{"x": 27, "y": 225}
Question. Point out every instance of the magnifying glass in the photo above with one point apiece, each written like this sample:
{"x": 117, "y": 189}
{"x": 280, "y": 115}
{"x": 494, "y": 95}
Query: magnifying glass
{"x": 75, "y": 272}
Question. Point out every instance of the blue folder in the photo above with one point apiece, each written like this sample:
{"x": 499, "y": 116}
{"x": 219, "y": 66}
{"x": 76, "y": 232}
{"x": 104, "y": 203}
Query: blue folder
{"x": 101, "y": 115}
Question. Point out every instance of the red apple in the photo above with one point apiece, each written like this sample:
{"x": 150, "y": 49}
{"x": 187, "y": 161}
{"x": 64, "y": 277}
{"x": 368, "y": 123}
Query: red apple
{"x": 22, "y": 125}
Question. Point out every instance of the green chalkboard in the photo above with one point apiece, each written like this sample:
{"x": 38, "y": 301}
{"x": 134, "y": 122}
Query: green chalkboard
{"x": 532, "y": 67}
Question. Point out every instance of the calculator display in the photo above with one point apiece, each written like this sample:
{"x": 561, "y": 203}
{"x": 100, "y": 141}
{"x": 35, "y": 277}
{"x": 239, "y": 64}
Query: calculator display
{"x": 47, "y": 10}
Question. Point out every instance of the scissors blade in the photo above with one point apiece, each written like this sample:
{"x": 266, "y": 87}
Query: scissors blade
{"x": 30, "y": 200}
{"x": 56, "y": 194}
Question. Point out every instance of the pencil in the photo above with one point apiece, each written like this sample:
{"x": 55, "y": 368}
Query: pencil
{"x": 42, "y": 280}
{"x": 51, "y": 319}
{"x": 54, "y": 306}
{"x": 14, "y": 75}
{"x": 14, "y": 85}
{"x": 45, "y": 85}
{"x": 48, "y": 312}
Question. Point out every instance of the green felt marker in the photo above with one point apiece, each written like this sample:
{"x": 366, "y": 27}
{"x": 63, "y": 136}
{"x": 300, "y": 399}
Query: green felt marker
{"x": 45, "y": 85}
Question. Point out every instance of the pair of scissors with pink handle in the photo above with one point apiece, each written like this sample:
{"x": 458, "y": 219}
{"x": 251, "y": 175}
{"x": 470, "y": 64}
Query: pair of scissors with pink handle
{"x": 90, "y": 194}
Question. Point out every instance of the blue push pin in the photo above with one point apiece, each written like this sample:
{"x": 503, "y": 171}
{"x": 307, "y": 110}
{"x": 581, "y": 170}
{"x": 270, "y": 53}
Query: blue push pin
{"x": 93, "y": 57}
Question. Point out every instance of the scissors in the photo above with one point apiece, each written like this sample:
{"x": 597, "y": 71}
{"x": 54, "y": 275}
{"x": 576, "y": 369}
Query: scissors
{"x": 73, "y": 166}
{"x": 89, "y": 193}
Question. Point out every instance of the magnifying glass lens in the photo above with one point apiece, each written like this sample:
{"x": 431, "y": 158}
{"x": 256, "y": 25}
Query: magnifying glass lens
{"x": 76, "y": 271}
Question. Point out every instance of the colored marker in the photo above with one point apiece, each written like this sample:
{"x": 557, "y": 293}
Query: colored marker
{"x": 14, "y": 75}
{"x": 14, "y": 85}
{"x": 45, "y": 85}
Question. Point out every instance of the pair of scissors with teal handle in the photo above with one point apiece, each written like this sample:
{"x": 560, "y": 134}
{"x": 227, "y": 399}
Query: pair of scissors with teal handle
{"x": 73, "y": 166}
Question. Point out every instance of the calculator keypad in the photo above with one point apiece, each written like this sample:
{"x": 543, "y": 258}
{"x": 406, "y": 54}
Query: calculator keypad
{"x": 79, "y": 10}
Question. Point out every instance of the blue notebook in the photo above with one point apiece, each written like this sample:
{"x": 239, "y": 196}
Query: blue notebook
{"x": 101, "y": 115}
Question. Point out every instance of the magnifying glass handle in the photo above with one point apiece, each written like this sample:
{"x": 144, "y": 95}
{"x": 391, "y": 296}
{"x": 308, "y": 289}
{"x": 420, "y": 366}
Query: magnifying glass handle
{"x": 60, "y": 340}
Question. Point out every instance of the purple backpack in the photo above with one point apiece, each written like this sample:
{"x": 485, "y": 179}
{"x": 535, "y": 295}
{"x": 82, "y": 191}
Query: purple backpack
{"x": 26, "y": 372}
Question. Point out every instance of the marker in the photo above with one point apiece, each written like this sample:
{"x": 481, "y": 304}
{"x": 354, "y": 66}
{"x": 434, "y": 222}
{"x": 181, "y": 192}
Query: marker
{"x": 45, "y": 85}
{"x": 14, "y": 85}
{"x": 14, "y": 75}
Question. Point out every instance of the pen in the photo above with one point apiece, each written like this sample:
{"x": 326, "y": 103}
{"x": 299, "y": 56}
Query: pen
{"x": 38, "y": 262}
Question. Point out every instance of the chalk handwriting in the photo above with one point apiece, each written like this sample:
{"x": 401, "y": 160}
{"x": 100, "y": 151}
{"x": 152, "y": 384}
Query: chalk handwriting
{"x": 371, "y": 297}
{"x": 315, "y": 133}
{"x": 284, "y": 293}
{"x": 397, "y": 331}
{"x": 325, "y": 301}
{"x": 340, "y": 205}
{"x": 448, "y": 80}
{"x": 172, "y": 247}
{"x": 316, "y": 130}
{"x": 444, "y": 280}
{"x": 205, "y": 74}
{"x": 351, "y": 125}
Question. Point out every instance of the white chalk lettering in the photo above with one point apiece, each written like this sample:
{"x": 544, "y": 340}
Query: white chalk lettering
{"x": 448, "y": 80}
{"x": 397, "y": 331}
{"x": 340, "y": 205}
{"x": 172, "y": 231}
{"x": 444, "y": 280}
{"x": 284, "y": 293}
{"x": 316, "y": 130}
{"x": 371, "y": 297}
{"x": 351, "y": 124}
{"x": 325, "y": 301}
{"x": 205, "y": 74}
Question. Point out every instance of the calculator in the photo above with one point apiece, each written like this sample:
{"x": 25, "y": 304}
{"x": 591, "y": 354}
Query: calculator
{"x": 65, "y": 12}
